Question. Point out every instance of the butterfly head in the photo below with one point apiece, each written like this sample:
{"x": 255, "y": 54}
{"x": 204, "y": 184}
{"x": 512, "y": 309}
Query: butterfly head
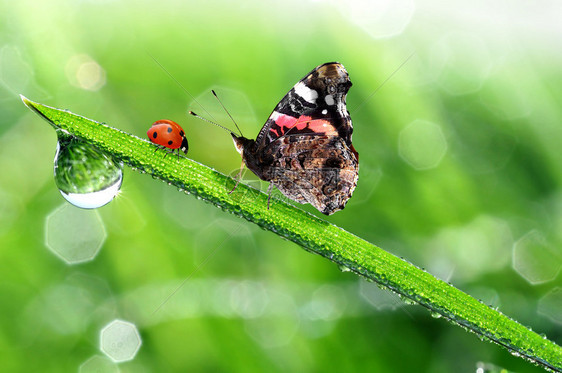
{"x": 241, "y": 143}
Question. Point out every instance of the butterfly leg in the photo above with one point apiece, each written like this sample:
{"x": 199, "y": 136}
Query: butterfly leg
{"x": 238, "y": 177}
{"x": 269, "y": 189}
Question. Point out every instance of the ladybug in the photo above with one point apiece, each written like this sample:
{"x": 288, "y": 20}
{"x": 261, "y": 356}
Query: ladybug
{"x": 168, "y": 134}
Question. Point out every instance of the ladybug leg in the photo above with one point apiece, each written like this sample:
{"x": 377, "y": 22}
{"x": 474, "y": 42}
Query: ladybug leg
{"x": 161, "y": 147}
{"x": 238, "y": 177}
{"x": 170, "y": 151}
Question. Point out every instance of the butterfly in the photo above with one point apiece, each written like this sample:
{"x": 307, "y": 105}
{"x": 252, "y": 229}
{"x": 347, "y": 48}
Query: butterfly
{"x": 305, "y": 148}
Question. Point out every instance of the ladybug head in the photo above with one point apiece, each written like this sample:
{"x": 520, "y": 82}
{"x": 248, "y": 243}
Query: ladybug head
{"x": 184, "y": 147}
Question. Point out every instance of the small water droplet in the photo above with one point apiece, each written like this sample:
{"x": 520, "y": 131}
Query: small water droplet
{"x": 436, "y": 315}
{"x": 86, "y": 176}
{"x": 409, "y": 301}
{"x": 344, "y": 268}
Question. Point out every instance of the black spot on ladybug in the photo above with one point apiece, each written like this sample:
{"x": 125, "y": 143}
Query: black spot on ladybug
{"x": 170, "y": 129}
{"x": 154, "y": 135}
{"x": 170, "y": 142}
{"x": 182, "y": 133}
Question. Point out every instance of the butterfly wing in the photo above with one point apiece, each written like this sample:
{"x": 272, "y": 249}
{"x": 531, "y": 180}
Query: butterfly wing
{"x": 315, "y": 105}
{"x": 305, "y": 148}
{"x": 320, "y": 170}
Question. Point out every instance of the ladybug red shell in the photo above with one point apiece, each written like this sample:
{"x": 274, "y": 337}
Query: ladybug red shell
{"x": 168, "y": 134}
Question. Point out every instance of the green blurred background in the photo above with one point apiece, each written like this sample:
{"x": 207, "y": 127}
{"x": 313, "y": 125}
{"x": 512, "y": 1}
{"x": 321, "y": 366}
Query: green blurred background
{"x": 460, "y": 174}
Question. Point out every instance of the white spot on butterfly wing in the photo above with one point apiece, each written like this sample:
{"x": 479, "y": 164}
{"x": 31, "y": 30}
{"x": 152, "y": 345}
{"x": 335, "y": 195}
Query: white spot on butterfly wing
{"x": 305, "y": 92}
{"x": 324, "y": 111}
{"x": 329, "y": 100}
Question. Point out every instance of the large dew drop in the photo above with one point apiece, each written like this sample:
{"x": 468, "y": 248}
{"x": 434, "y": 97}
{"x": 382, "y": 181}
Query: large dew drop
{"x": 86, "y": 176}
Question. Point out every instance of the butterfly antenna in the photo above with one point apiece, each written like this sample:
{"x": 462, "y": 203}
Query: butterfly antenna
{"x": 233, "y": 121}
{"x": 178, "y": 83}
{"x": 209, "y": 121}
{"x": 383, "y": 83}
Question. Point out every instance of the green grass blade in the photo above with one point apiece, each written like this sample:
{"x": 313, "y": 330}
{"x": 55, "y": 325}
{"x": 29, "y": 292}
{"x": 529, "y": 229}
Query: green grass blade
{"x": 314, "y": 235}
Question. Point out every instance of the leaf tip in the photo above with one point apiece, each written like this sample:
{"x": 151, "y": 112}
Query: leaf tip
{"x": 26, "y": 101}
{"x": 35, "y": 107}
{"x": 30, "y": 104}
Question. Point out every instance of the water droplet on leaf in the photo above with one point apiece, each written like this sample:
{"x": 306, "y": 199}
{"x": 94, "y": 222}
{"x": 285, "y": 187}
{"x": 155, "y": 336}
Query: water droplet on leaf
{"x": 409, "y": 301}
{"x": 436, "y": 315}
{"x": 344, "y": 268}
{"x": 86, "y": 176}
